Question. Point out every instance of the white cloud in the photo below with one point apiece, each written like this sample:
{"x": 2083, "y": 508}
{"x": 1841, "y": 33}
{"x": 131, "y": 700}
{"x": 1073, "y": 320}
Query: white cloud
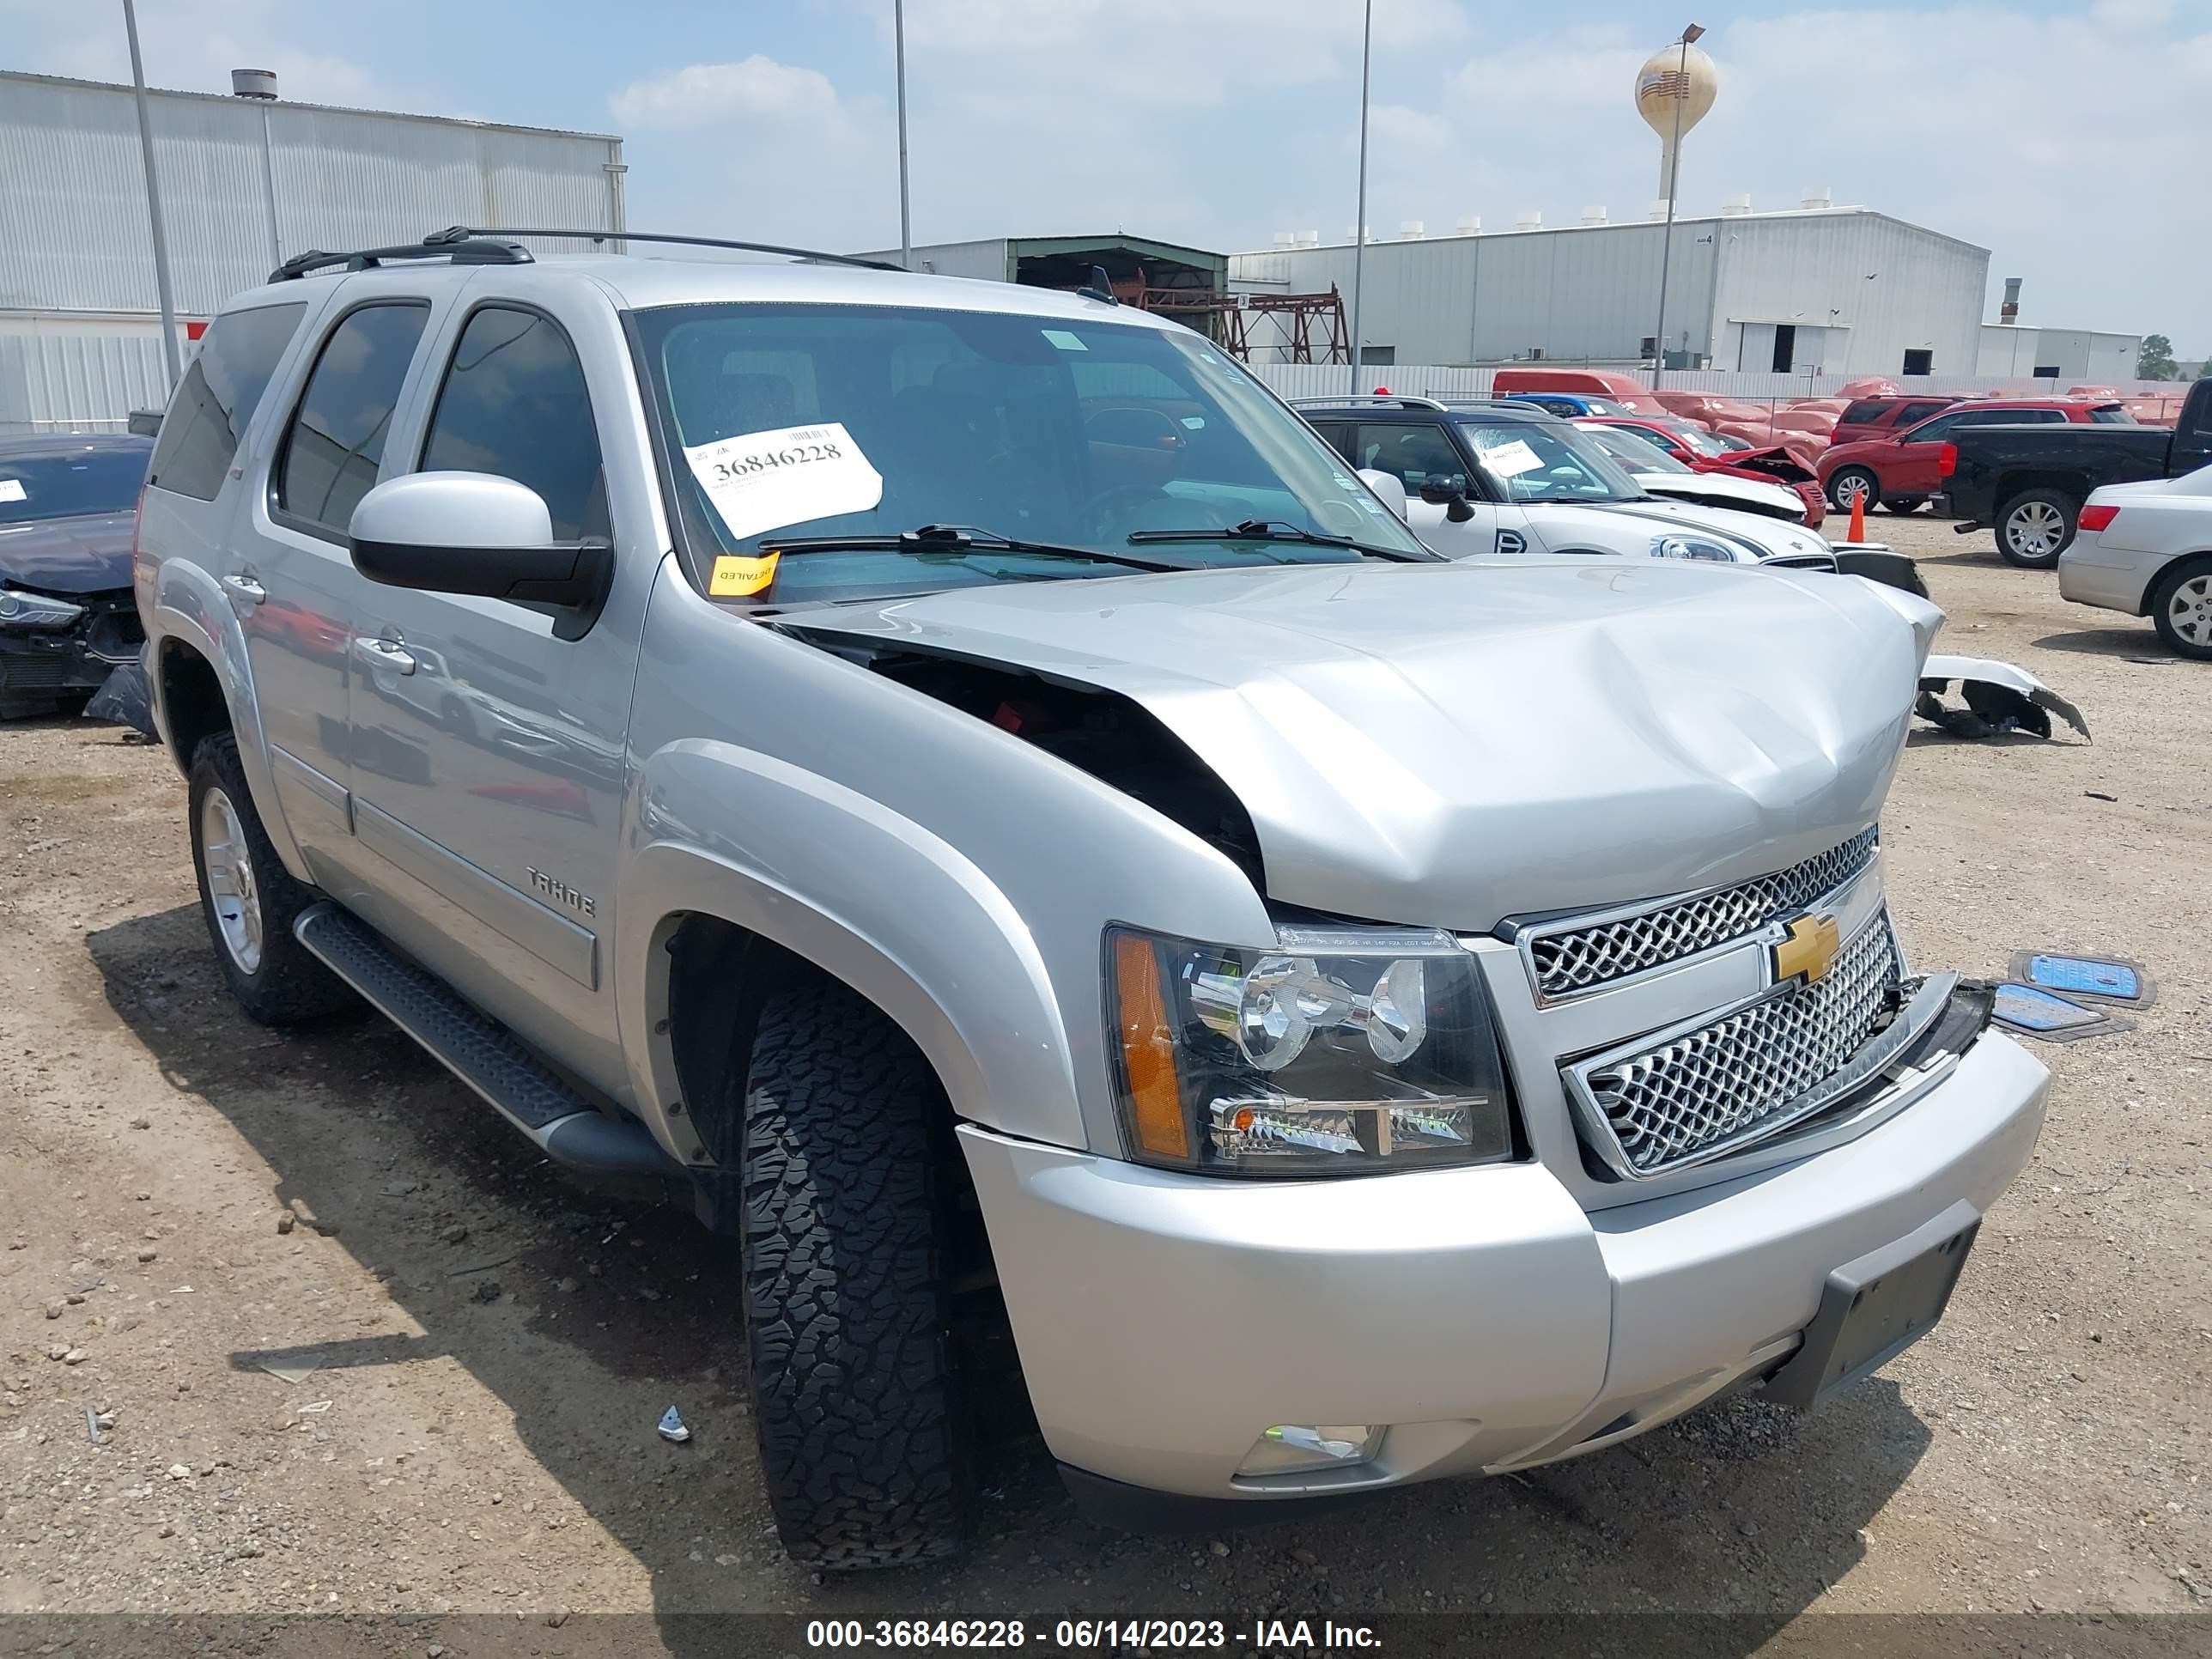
{"x": 705, "y": 94}
{"x": 188, "y": 49}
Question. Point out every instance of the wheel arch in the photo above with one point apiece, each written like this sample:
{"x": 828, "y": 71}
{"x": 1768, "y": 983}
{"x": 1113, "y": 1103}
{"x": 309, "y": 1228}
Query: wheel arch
{"x": 737, "y": 858}
{"x": 2173, "y": 567}
{"x": 191, "y": 615}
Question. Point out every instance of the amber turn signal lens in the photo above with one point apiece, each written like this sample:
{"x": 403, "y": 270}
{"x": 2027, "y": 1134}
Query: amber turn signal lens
{"x": 1148, "y": 1050}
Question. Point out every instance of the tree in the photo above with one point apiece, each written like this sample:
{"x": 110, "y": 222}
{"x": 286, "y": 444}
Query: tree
{"x": 2155, "y": 362}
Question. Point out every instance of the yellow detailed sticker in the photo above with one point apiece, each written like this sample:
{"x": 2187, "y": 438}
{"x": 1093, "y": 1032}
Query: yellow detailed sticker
{"x": 734, "y": 578}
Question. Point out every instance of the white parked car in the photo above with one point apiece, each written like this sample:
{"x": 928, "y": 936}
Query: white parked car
{"x": 2146, "y": 549}
{"x": 1496, "y": 478}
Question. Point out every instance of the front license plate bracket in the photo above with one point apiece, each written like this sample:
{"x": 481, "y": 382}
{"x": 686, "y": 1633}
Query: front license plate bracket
{"x": 1873, "y": 1309}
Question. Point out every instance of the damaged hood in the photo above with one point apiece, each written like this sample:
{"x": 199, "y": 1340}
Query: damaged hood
{"x": 1446, "y": 745}
{"x": 87, "y": 555}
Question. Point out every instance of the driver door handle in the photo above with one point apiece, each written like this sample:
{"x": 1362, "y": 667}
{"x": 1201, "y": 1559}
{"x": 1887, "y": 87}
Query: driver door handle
{"x": 386, "y": 653}
{"x": 243, "y": 588}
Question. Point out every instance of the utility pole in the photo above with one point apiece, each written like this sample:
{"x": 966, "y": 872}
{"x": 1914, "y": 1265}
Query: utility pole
{"x": 1359, "y": 225}
{"x": 906, "y": 217}
{"x": 1673, "y": 168}
{"x": 153, "y": 202}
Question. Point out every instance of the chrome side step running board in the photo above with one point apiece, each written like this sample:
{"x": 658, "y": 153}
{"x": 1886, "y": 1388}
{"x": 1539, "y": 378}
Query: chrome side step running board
{"x": 480, "y": 1051}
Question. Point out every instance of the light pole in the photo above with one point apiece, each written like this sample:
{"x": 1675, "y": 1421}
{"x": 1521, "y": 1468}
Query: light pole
{"x": 906, "y": 218}
{"x": 1359, "y": 225}
{"x": 154, "y": 203}
{"x": 1673, "y": 167}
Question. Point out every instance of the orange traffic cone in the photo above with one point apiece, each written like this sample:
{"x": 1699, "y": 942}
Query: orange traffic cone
{"x": 1858, "y": 517}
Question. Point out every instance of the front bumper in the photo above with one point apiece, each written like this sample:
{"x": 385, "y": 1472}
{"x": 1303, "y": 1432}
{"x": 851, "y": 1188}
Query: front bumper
{"x": 1165, "y": 1322}
{"x": 41, "y": 668}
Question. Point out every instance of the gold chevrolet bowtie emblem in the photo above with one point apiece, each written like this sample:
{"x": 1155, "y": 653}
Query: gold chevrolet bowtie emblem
{"x": 1806, "y": 949}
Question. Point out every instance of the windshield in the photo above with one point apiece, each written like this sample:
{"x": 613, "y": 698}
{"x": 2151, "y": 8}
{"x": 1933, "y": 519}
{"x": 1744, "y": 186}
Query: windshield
{"x": 1541, "y": 461}
{"x": 797, "y": 422}
{"x": 72, "y": 484}
{"x": 1637, "y": 454}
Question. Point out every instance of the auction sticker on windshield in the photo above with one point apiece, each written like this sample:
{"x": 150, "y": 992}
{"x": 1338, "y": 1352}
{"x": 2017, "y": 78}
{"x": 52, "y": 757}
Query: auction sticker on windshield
{"x": 1511, "y": 460}
{"x": 11, "y": 490}
{"x": 761, "y": 481}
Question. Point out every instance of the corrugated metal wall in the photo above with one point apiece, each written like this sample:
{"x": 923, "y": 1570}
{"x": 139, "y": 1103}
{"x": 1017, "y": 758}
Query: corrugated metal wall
{"x": 986, "y": 259}
{"x": 73, "y": 224}
{"x": 78, "y": 374}
{"x": 2083, "y": 355}
{"x": 1891, "y": 285}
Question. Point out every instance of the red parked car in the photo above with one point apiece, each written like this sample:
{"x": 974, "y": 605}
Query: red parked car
{"x": 1885, "y": 415}
{"x": 1903, "y": 470}
{"x": 1706, "y": 451}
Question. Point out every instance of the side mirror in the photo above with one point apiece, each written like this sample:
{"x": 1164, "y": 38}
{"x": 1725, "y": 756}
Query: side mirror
{"x": 1389, "y": 486}
{"x": 471, "y": 533}
{"x": 1457, "y": 509}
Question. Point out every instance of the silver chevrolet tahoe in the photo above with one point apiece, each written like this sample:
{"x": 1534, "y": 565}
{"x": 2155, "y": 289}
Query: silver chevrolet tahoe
{"x": 963, "y": 780}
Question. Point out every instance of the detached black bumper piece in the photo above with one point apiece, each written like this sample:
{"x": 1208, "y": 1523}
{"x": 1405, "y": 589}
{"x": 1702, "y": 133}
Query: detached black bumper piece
{"x": 43, "y": 670}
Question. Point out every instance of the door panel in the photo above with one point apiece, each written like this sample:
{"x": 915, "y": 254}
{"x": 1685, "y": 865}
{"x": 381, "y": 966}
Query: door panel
{"x": 502, "y": 842}
{"x": 292, "y": 580}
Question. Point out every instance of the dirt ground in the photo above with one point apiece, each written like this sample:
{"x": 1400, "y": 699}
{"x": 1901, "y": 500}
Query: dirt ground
{"x": 495, "y": 1345}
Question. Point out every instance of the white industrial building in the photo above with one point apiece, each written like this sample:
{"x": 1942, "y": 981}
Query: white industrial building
{"x": 246, "y": 181}
{"x": 2084, "y": 357}
{"x": 1817, "y": 289}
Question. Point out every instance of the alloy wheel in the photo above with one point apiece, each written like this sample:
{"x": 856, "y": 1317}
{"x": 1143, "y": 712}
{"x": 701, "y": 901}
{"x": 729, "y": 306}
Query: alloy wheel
{"x": 230, "y": 864}
{"x": 2035, "y": 529}
{"x": 2189, "y": 612}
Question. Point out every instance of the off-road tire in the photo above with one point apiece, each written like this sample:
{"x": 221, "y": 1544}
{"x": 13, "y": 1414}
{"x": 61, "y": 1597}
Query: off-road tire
{"x": 863, "y": 1436}
{"x": 2068, "y": 510}
{"x": 287, "y": 985}
{"x": 1840, "y": 499}
{"x": 2161, "y": 607}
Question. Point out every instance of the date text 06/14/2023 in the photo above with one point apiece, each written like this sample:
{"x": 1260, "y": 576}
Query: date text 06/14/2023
{"x": 1261, "y": 1636}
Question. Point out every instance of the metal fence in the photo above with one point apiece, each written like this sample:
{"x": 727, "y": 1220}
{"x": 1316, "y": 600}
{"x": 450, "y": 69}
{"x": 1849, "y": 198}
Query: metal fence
{"x": 2158, "y": 401}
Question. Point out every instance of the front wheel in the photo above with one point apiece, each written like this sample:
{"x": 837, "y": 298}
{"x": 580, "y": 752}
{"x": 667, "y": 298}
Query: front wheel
{"x": 863, "y": 1431}
{"x": 2034, "y": 527}
{"x": 2181, "y": 609}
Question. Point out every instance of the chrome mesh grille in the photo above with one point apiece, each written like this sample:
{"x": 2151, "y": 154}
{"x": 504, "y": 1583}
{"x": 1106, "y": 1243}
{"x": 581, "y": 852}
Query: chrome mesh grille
{"x": 1575, "y": 958}
{"x": 1737, "y": 1076}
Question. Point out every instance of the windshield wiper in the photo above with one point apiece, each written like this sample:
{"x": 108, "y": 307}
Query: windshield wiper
{"x": 962, "y": 538}
{"x": 1277, "y": 530}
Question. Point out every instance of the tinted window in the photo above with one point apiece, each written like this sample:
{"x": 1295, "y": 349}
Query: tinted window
{"x": 335, "y": 441}
{"x": 514, "y": 403}
{"x": 70, "y": 484}
{"x": 217, "y": 397}
{"x": 1867, "y": 411}
{"x": 1930, "y": 432}
{"x": 1414, "y": 455}
{"x": 2112, "y": 415}
{"x": 1908, "y": 413}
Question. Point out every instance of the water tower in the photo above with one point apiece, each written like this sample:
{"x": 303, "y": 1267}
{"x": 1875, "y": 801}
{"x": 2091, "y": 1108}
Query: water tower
{"x": 1673, "y": 90}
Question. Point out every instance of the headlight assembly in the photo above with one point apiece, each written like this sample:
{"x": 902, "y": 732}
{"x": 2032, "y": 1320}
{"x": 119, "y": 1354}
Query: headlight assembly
{"x": 1333, "y": 1052}
{"x": 1676, "y": 545}
{"x": 22, "y": 609}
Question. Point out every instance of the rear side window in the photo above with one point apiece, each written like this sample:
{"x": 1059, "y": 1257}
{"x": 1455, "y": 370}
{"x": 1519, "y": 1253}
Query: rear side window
{"x": 336, "y": 441}
{"x": 1920, "y": 411}
{"x": 1865, "y": 412}
{"x": 215, "y": 402}
{"x": 514, "y": 403}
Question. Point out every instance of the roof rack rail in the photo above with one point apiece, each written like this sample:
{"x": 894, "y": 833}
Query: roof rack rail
{"x": 464, "y": 250}
{"x": 463, "y": 233}
{"x": 1369, "y": 398}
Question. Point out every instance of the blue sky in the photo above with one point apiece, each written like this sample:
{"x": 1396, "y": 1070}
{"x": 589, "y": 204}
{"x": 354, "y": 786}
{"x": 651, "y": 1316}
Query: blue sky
{"x": 2066, "y": 136}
